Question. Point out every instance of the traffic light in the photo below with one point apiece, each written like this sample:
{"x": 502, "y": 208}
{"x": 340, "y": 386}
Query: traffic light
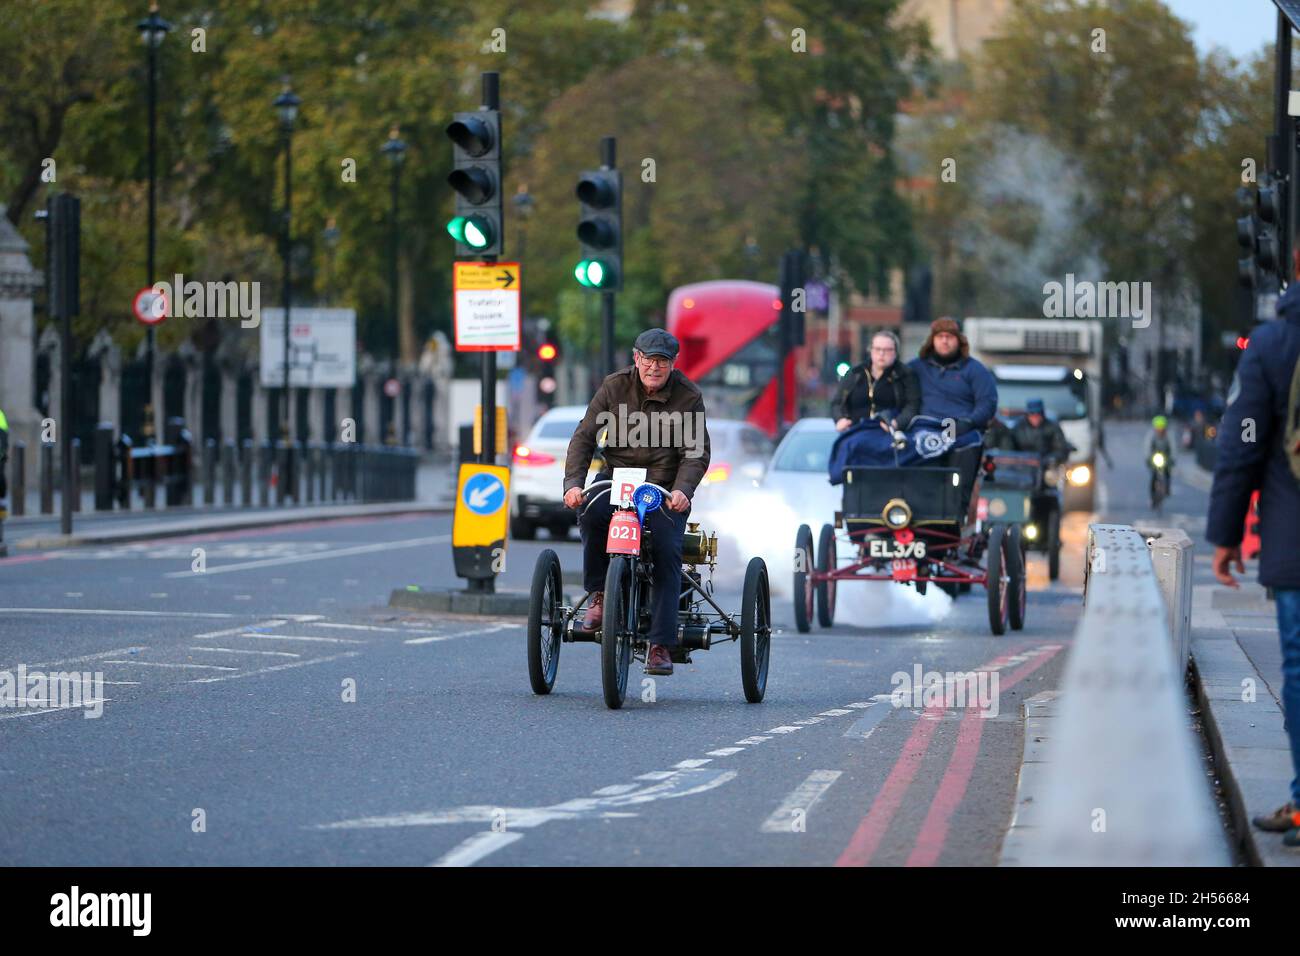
{"x": 476, "y": 153}
{"x": 1269, "y": 200}
{"x": 548, "y": 354}
{"x": 600, "y": 230}
{"x": 65, "y": 255}
{"x": 1247, "y": 236}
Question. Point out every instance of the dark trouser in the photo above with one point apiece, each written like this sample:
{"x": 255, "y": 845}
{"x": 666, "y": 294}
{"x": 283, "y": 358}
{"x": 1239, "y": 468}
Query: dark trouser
{"x": 1288, "y": 626}
{"x": 666, "y": 530}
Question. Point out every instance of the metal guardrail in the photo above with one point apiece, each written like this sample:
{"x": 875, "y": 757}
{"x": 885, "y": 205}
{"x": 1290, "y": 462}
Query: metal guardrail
{"x": 1124, "y": 786}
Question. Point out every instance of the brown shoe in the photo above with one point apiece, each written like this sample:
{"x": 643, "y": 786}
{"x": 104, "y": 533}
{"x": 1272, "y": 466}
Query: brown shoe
{"x": 658, "y": 661}
{"x": 595, "y": 612}
{"x": 1280, "y": 820}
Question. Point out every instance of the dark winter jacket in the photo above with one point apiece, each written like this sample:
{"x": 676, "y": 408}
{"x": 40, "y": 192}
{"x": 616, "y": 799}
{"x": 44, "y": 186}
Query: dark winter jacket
{"x": 1047, "y": 440}
{"x": 962, "y": 389}
{"x": 896, "y": 395}
{"x": 1251, "y": 455}
{"x": 622, "y": 395}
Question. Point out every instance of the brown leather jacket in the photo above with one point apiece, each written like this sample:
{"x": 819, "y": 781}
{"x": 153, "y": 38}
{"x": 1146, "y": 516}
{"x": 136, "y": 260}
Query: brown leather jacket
{"x": 672, "y": 442}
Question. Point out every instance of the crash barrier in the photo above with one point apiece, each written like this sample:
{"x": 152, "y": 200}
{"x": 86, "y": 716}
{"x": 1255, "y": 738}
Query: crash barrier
{"x": 1124, "y": 785}
{"x": 1171, "y": 560}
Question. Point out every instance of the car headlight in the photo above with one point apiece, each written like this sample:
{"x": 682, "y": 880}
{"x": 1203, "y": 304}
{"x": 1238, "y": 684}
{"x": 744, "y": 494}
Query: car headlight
{"x": 1080, "y": 475}
{"x": 896, "y": 513}
{"x": 1031, "y": 532}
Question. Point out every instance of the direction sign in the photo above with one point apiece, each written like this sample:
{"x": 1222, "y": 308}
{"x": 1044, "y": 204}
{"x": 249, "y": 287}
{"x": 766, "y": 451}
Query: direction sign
{"x": 482, "y": 498}
{"x": 150, "y": 306}
{"x": 486, "y": 303}
{"x": 322, "y": 348}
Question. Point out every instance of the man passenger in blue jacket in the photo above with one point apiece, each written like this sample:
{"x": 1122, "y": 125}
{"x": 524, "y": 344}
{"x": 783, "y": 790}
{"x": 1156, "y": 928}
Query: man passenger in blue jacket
{"x": 1252, "y": 456}
{"x": 954, "y": 385}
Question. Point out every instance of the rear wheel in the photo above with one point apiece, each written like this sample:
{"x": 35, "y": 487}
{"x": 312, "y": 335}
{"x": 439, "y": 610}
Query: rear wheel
{"x": 827, "y": 561}
{"x": 617, "y": 630}
{"x": 996, "y": 585}
{"x": 755, "y": 631}
{"x": 1054, "y": 544}
{"x": 803, "y": 587}
{"x": 1017, "y": 588}
{"x": 545, "y": 623}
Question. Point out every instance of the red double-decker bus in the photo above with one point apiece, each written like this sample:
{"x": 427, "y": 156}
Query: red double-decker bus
{"x": 727, "y": 329}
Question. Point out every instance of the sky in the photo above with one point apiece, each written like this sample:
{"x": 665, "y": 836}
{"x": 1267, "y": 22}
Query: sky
{"x": 1242, "y": 26}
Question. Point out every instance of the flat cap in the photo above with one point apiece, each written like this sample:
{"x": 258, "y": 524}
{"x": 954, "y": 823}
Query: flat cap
{"x": 656, "y": 342}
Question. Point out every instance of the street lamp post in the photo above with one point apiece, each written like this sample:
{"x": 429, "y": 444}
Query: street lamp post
{"x": 286, "y": 105}
{"x": 152, "y": 30}
{"x": 395, "y": 150}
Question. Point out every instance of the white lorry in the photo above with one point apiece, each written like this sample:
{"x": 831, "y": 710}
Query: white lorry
{"x": 1059, "y": 361}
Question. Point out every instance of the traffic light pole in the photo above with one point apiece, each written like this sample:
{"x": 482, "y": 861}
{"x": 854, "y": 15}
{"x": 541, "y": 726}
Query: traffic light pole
{"x": 608, "y": 158}
{"x": 1283, "y": 162}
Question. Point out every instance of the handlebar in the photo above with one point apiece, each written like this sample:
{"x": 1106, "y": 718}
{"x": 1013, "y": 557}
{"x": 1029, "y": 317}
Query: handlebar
{"x": 606, "y": 485}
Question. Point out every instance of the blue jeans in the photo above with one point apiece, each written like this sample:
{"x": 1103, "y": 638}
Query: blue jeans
{"x": 1288, "y": 625}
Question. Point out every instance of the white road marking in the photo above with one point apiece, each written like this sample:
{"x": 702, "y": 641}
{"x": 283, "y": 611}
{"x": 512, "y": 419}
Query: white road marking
{"x": 447, "y": 637}
{"x": 725, "y": 751}
{"x": 363, "y": 627}
{"x": 162, "y": 594}
{"x": 277, "y": 667}
{"x": 85, "y": 657}
{"x": 315, "y": 556}
{"x": 809, "y": 721}
{"x": 242, "y": 629}
{"x": 72, "y": 594}
{"x": 243, "y": 597}
{"x": 801, "y": 798}
{"x": 750, "y": 741}
{"x": 783, "y": 729}
{"x": 298, "y": 637}
{"x": 655, "y": 775}
{"x": 204, "y": 667}
{"x": 691, "y": 764}
{"x": 866, "y": 725}
{"x": 836, "y": 712}
{"x": 477, "y": 847}
{"x": 682, "y": 783}
{"x": 108, "y": 613}
{"x": 35, "y": 712}
{"x": 614, "y": 790}
{"x": 860, "y": 704}
{"x": 246, "y": 650}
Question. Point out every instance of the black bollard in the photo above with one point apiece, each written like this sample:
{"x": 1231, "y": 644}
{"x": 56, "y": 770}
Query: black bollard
{"x": 104, "y": 466}
{"x": 47, "y": 478}
{"x": 209, "y": 471}
{"x": 76, "y": 474}
{"x": 228, "y": 472}
{"x": 246, "y": 472}
{"x": 309, "y": 471}
{"x": 264, "y": 483}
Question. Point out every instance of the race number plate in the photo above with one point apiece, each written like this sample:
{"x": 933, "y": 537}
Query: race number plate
{"x": 904, "y": 569}
{"x": 625, "y": 481}
{"x": 624, "y": 534}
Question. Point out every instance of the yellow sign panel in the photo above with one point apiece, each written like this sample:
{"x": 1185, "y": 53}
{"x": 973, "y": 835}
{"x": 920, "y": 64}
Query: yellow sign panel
{"x": 480, "y": 276}
{"x": 482, "y": 506}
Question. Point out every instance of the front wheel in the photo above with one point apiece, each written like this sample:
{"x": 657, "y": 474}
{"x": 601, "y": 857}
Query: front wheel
{"x": 755, "y": 631}
{"x": 1017, "y": 587}
{"x": 617, "y": 630}
{"x": 545, "y": 623}
{"x": 803, "y": 586}
{"x": 996, "y": 583}
{"x": 827, "y": 561}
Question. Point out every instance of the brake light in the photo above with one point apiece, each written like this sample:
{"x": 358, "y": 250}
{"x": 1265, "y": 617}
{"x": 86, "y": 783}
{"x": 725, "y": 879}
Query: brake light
{"x": 526, "y": 456}
{"x": 719, "y": 472}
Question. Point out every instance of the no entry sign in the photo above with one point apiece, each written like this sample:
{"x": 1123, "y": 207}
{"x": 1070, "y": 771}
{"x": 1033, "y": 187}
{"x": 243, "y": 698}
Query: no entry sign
{"x": 150, "y": 306}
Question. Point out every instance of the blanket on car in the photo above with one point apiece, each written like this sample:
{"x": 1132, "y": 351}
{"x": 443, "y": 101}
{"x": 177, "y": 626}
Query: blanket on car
{"x": 866, "y": 443}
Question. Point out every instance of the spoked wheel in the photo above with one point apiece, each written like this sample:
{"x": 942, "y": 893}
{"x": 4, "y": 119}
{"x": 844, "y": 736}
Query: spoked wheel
{"x": 1054, "y": 545}
{"x": 1017, "y": 587}
{"x": 545, "y": 623}
{"x": 755, "y": 631}
{"x": 996, "y": 585}
{"x": 617, "y": 631}
{"x": 803, "y": 586}
{"x": 827, "y": 561}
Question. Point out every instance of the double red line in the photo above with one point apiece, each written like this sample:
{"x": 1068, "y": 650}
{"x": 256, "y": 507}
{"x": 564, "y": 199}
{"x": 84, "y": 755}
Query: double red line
{"x": 952, "y": 788}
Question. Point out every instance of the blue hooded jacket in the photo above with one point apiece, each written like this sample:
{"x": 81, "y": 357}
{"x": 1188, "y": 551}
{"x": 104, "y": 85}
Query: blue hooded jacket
{"x": 1259, "y": 392}
{"x": 964, "y": 390}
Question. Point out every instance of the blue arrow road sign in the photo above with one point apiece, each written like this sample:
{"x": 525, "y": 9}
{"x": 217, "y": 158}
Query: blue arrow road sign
{"x": 484, "y": 494}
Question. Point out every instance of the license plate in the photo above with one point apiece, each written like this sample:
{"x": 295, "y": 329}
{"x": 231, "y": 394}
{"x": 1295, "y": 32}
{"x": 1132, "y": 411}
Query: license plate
{"x": 887, "y": 548}
{"x": 624, "y": 535}
{"x": 903, "y": 569}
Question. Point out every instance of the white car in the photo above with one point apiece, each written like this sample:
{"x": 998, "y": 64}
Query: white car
{"x": 537, "y": 475}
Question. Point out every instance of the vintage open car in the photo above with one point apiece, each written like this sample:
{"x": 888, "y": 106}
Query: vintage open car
{"x": 1022, "y": 488}
{"x": 914, "y": 525}
{"x": 622, "y": 638}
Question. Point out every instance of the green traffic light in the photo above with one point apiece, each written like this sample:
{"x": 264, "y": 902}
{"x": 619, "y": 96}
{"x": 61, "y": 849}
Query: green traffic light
{"x": 472, "y": 231}
{"x": 580, "y": 272}
{"x": 594, "y": 274}
{"x": 842, "y": 369}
